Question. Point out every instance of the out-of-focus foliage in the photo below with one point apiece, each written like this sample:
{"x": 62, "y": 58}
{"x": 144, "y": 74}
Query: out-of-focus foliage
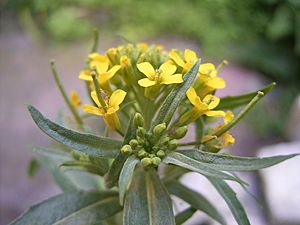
{"x": 263, "y": 34}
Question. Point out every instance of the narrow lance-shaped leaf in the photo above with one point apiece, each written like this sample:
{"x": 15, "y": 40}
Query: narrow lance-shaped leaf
{"x": 72, "y": 208}
{"x": 147, "y": 201}
{"x": 196, "y": 166}
{"x": 232, "y": 201}
{"x": 126, "y": 176}
{"x": 175, "y": 97}
{"x": 183, "y": 216}
{"x": 196, "y": 200}
{"x": 234, "y": 163}
{"x": 87, "y": 143}
{"x": 114, "y": 172}
{"x": 231, "y": 102}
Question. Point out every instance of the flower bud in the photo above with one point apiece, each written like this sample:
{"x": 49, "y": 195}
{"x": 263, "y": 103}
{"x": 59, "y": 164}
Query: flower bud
{"x": 126, "y": 149}
{"x": 159, "y": 129}
{"x": 146, "y": 161}
{"x": 133, "y": 143}
{"x": 138, "y": 120}
{"x": 140, "y": 132}
{"x": 164, "y": 140}
{"x": 179, "y": 132}
{"x": 151, "y": 138}
{"x": 142, "y": 153}
{"x": 160, "y": 153}
{"x": 172, "y": 145}
{"x": 156, "y": 161}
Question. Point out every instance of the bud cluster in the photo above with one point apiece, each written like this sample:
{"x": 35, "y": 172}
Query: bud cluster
{"x": 151, "y": 146}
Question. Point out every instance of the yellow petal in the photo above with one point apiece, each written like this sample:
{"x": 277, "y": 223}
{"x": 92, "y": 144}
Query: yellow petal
{"x": 93, "y": 110}
{"x": 112, "y": 110}
{"x": 190, "y": 56}
{"x": 103, "y": 78}
{"x": 75, "y": 100}
{"x": 216, "y": 83}
{"x": 147, "y": 69}
{"x": 177, "y": 59}
{"x": 95, "y": 98}
{"x": 192, "y": 95}
{"x": 145, "y": 82}
{"x": 206, "y": 68}
{"x": 173, "y": 79}
{"x": 101, "y": 67}
{"x": 85, "y": 75}
{"x": 228, "y": 117}
{"x": 217, "y": 113}
{"x": 167, "y": 69}
{"x": 116, "y": 98}
{"x": 114, "y": 69}
{"x": 112, "y": 120}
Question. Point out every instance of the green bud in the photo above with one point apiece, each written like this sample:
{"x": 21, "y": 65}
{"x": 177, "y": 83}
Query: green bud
{"x": 141, "y": 141}
{"x": 146, "y": 161}
{"x": 76, "y": 155}
{"x": 164, "y": 140}
{"x": 151, "y": 138}
{"x": 133, "y": 143}
{"x": 179, "y": 132}
{"x": 160, "y": 153}
{"x": 172, "y": 145}
{"x": 142, "y": 153}
{"x": 138, "y": 120}
{"x": 151, "y": 155}
{"x": 140, "y": 132}
{"x": 126, "y": 149}
{"x": 156, "y": 161}
{"x": 159, "y": 129}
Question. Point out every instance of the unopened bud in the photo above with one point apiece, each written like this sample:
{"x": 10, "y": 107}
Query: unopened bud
{"x": 76, "y": 155}
{"x": 164, "y": 140}
{"x": 179, "y": 132}
{"x": 138, "y": 120}
{"x": 146, "y": 161}
{"x": 133, "y": 143}
{"x": 156, "y": 161}
{"x": 140, "y": 132}
{"x": 126, "y": 149}
{"x": 160, "y": 153}
{"x": 141, "y": 141}
{"x": 142, "y": 153}
{"x": 172, "y": 145}
{"x": 159, "y": 129}
{"x": 151, "y": 138}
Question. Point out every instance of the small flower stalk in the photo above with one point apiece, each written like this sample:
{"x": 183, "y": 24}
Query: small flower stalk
{"x": 150, "y": 100}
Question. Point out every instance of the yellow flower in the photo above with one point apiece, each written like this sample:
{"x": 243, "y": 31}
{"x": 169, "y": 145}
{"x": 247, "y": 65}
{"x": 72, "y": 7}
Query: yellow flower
{"x": 201, "y": 107}
{"x": 75, "y": 100}
{"x": 190, "y": 57}
{"x": 163, "y": 75}
{"x": 208, "y": 74}
{"x": 111, "y": 107}
{"x": 101, "y": 64}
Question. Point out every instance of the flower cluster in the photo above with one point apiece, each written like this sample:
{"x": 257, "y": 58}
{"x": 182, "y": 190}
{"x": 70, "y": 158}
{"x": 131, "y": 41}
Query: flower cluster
{"x": 139, "y": 78}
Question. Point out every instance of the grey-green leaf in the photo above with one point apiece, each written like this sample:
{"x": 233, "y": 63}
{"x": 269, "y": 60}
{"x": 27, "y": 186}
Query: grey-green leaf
{"x": 87, "y": 143}
{"x": 183, "y": 216}
{"x": 234, "y": 163}
{"x": 126, "y": 176}
{"x": 196, "y": 200}
{"x": 232, "y": 201}
{"x": 72, "y": 208}
{"x": 196, "y": 166}
{"x": 113, "y": 174}
{"x": 175, "y": 97}
{"x": 147, "y": 201}
{"x": 66, "y": 180}
{"x": 231, "y": 102}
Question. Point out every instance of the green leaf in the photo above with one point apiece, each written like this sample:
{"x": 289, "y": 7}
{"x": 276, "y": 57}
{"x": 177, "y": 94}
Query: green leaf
{"x": 72, "y": 208}
{"x": 126, "y": 176}
{"x": 196, "y": 166}
{"x": 183, "y": 216}
{"x": 33, "y": 167}
{"x": 87, "y": 143}
{"x": 147, "y": 201}
{"x": 114, "y": 172}
{"x": 234, "y": 163}
{"x": 175, "y": 97}
{"x": 66, "y": 180}
{"x": 230, "y": 198}
{"x": 231, "y": 102}
{"x": 196, "y": 200}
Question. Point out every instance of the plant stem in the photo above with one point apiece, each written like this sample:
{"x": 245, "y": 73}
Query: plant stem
{"x": 65, "y": 96}
{"x": 98, "y": 91}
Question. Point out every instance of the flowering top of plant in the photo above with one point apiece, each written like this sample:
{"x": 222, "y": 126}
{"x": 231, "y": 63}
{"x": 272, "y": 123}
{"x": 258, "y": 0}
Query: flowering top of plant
{"x": 149, "y": 98}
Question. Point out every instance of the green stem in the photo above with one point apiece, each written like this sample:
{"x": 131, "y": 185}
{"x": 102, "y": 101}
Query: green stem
{"x": 95, "y": 43}
{"x": 98, "y": 91}
{"x": 63, "y": 92}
